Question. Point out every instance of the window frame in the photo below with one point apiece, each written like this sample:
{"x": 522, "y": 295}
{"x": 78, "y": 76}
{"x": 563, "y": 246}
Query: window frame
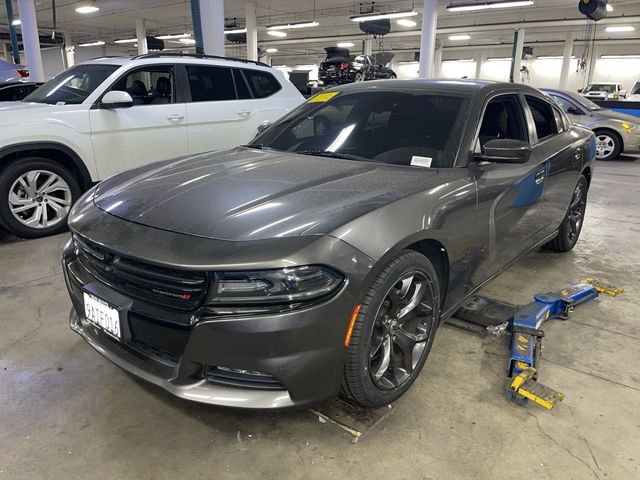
{"x": 187, "y": 84}
{"x": 532, "y": 124}
{"x": 243, "y": 71}
{"x": 177, "y": 94}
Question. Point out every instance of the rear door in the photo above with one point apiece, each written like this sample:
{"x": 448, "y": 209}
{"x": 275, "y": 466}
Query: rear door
{"x": 153, "y": 129}
{"x": 562, "y": 154}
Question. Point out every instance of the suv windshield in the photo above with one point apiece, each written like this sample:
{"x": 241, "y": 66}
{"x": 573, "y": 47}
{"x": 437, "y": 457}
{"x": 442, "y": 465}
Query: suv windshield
{"x": 600, "y": 87}
{"x": 395, "y": 127}
{"x": 72, "y": 86}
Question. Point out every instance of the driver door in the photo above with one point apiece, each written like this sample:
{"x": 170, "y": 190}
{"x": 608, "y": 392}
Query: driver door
{"x": 153, "y": 129}
{"x": 509, "y": 194}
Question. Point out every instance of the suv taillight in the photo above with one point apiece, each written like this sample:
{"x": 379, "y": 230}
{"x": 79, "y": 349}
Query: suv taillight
{"x": 344, "y": 65}
{"x": 22, "y": 73}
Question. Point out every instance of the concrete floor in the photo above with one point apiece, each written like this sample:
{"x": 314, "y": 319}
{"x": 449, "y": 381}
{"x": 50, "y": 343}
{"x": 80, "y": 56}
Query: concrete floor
{"x": 66, "y": 413}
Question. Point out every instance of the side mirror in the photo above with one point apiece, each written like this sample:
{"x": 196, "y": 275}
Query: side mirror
{"x": 263, "y": 126}
{"x": 574, "y": 111}
{"x": 580, "y": 90}
{"x": 503, "y": 150}
{"x": 116, "y": 99}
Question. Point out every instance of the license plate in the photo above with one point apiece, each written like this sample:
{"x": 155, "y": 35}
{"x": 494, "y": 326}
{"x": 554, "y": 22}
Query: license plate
{"x": 102, "y": 315}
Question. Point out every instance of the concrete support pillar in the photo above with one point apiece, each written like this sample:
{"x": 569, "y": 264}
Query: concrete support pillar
{"x": 428, "y": 38}
{"x": 480, "y": 58}
{"x": 212, "y": 21}
{"x": 367, "y": 46}
{"x": 30, "y": 39}
{"x": 68, "y": 51}
{"x": 437, "y": 63}
{"x": 566, "y": 61}
{"x": 252, "y": 30}
{"x": 141, "y": 35}
{"x": 516, "y": 55}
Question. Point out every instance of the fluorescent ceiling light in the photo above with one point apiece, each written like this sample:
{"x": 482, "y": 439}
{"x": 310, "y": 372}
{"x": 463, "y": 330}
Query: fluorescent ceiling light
{"x": 172, "y": 36}
{"x": 609, "y": 8}
{"x": 465, "y": 60}
{"x": 552, "y": 57}
{"x": 286, "y": 26}
{"x": 235, "y": 30}
{"x": 187, "y": 41}
{"x": 620, "y": 56}
{"x": 345, "y": 44}
{"x": 498, "y": 59}
{"x": 276, "y": 33}
{"x": 620, "y": 28}
{"x": 92, "y": 44}
{"x": 405, "y": 22}
{"x": 367, "y": 17}
{"x": 470, "y": 7}
{"x": 272, "y": 50}
{"x": 457, "y": 38}
{"x": 87, "y": 9}
{"x": 16, "y": 22}
{"x": 126, "y": 40}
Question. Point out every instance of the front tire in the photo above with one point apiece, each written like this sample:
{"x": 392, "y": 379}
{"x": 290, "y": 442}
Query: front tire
{"x": 571, "y": 226}
{"x": 608, "y": 145}
{"x": 394, "y": 331}
{"x": 359, "y": 77}
{"x": 36, "y": 195}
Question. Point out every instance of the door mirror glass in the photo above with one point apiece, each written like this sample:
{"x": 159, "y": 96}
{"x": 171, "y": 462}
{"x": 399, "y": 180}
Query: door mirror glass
{"x": 574, "y": 111}
{"x": 116, "y": 99}
{"x": 504, "y": 150}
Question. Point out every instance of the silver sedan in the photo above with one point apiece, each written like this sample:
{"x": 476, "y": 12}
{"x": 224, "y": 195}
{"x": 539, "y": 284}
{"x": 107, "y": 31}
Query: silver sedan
{"x": 616, "y": 132}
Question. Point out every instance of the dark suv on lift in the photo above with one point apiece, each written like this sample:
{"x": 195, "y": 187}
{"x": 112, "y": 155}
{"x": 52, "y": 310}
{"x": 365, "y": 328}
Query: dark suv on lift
{"x": 340, "y": 67}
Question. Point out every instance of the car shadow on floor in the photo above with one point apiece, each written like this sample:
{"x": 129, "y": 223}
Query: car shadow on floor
{"x": 6, "y": 237}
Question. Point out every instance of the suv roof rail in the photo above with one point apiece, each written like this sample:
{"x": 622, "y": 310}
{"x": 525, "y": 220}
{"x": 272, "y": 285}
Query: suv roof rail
{"x": 197, "y": 55}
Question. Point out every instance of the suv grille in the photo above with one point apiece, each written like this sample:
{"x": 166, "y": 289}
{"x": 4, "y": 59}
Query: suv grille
{"x": 179, "y": 289}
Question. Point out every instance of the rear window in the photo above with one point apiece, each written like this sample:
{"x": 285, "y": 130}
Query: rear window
{"x": 209, "y": 84}
{"x": 262, "y": 84}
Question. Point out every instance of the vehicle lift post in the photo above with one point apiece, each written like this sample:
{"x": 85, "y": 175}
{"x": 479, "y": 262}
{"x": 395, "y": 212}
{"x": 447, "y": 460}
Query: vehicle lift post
{"x": 526, "y": 342}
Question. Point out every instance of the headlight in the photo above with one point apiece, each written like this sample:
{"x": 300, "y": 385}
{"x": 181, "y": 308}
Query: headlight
{"x": 630, "y": 127}
{"x": 290, "y": 286}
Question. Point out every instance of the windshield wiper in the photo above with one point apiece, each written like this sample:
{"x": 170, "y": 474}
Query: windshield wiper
{"x": 324, "y": 153}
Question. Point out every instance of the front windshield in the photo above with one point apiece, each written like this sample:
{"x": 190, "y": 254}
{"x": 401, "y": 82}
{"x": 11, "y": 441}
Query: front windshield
{"x": 585, "y": 102}
{"x": 600, "y": 87}
{"x": 72, "y": 86}
{"x": 399, "y": 127}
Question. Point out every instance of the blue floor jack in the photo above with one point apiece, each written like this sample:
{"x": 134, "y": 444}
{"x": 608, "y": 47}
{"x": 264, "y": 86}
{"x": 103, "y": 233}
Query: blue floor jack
{"x": 526, "y": 342}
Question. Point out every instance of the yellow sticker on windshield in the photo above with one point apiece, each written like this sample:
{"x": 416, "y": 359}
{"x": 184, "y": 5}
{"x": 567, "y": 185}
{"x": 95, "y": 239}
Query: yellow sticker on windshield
{"x": 322, "y": 97}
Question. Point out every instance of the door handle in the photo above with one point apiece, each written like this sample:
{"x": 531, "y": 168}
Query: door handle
{"x": 244, "y": 113}
{"x": 539, "y": 177}
{"x": 175, "y": 117}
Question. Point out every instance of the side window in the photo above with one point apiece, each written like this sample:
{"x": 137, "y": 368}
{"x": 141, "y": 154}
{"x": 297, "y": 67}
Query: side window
{"x": 210, "y": 84}
{"x": 503, "y": 118}
{"x": 262, "y": 84}
{"x": 543, "y": 117}
{"x": 563, "y": 103}
{"x": 241, "y": 85}
{"x": 148, "y": 86}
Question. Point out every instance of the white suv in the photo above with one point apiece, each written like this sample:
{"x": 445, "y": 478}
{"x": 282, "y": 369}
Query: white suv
{"x": 111, "y": 114}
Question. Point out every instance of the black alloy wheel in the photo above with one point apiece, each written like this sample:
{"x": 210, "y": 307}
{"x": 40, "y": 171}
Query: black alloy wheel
{"x": 571, "y": 226}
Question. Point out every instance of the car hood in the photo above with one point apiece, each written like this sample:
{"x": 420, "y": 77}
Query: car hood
{"x": 247, "y": 194}
{"x": 613, "y": 115}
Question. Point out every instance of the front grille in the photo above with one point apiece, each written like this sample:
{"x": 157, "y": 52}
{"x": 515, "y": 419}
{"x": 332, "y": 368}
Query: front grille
{"x": 179, "y": 289}
{"x": 241, "y": 378}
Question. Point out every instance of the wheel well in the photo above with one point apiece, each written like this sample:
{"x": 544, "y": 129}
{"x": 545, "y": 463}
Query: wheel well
{"x": 610, "y": 132}
{"x": 59, "y": 156}
{"x": 587, "y": 174}
{"x": 437, "y": 254}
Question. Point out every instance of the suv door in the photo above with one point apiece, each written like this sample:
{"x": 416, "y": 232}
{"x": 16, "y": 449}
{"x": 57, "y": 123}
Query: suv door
{"x": 154, "y": 128}
{"x": 562, "y": 154}
{"x": 509, "y": 195}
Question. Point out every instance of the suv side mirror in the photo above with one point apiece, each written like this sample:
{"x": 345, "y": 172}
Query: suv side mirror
{"x": 263, "y": 126}
{"x": 574, "y": 111}
{"x": 504, "y": 150}
{"x": 116, "y": 99}
{"x": 580, "y": 90}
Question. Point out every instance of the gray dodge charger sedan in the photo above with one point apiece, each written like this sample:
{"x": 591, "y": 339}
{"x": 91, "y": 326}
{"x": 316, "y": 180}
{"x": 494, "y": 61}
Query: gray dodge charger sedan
{"x": 322, "y": 258}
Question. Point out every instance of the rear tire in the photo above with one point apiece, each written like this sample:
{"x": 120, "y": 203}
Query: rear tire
{"x": 571, "y": 226}
{"x": 359, "y": 77}
{"x": 36, "y": 195}
{"x": 393, "y": 332}
{"x": 608, "y": 145}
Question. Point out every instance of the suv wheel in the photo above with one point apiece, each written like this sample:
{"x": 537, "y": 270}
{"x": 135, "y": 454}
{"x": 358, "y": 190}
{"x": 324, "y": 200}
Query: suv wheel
{"x": 394, "y": 331}
{"x": 571, "y": 226}
{"x": 36, "y": 195}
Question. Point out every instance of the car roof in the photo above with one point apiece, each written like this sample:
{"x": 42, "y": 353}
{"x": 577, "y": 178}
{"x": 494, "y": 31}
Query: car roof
{"x": 152, "y": 58}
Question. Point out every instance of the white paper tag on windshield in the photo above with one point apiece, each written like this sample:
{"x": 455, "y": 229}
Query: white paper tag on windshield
{"x": 418, "y": 161}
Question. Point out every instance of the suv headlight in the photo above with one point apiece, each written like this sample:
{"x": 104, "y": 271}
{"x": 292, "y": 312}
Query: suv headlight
{"x": 287, "y": 287}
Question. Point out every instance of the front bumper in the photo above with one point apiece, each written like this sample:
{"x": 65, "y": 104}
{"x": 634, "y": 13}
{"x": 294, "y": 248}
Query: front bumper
{"x": 300, "y": 352}
{"x": 631, "y": 143}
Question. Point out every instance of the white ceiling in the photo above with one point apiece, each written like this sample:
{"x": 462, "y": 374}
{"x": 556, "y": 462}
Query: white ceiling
{"x": 116, "y": 19}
